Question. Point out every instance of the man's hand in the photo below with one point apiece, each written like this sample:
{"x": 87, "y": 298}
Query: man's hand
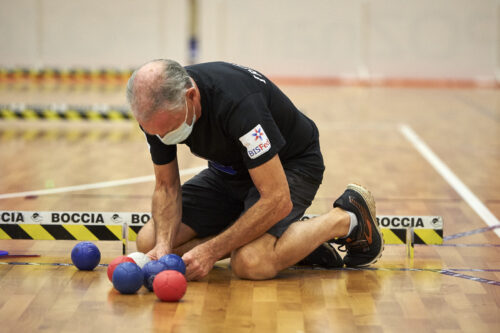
{"x": 199, "y": 262}
{"x": 159, "y": 251}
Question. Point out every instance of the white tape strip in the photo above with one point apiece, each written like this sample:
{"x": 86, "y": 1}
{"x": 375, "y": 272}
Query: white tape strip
{"x": 466, "y": 194}
{"x": 93, "y": 186}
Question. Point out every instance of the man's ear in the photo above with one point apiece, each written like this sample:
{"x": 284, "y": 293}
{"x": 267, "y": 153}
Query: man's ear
{"x": 191, "y": 93}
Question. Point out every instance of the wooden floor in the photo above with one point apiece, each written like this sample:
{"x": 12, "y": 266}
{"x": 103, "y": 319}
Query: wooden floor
{"x": 361, "y": 142}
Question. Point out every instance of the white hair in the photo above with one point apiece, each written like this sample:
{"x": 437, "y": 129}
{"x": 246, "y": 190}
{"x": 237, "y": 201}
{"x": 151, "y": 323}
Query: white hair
{"x": 168, "y": 92}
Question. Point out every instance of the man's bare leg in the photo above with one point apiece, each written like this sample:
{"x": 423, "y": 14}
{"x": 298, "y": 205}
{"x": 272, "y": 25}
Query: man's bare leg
{"x": 267, "y": 255}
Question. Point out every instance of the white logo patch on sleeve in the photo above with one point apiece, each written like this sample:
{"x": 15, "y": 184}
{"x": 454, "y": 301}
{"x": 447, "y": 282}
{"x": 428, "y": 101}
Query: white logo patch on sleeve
{"x": 256, "y": 142}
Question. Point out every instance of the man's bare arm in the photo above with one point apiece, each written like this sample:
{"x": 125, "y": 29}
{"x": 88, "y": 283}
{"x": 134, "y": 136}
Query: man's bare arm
{"x": 166, "y": 207}
{"x": 274, "y": 204}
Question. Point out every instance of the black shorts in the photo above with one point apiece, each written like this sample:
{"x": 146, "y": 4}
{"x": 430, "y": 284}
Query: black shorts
{"x": 213, "y": 200}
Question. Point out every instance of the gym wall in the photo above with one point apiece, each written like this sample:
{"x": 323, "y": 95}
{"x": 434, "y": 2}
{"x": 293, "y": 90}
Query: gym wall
{"x": 347, "y": 39}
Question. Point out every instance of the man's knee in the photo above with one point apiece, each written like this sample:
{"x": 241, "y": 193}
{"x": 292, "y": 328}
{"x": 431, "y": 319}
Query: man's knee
{"x": 146, "y": 238}
{"x": 253, "y": 263}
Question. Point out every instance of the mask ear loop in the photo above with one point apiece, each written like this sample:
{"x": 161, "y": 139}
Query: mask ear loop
{"x": 185, "y": 100}
{"x": 187, "y": 110}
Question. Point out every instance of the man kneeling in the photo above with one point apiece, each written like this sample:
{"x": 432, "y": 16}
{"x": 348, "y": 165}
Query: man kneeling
{"x": 264, "y": 169}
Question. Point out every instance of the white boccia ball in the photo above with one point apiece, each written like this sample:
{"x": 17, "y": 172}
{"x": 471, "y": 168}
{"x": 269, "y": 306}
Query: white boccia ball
{"x": 140, "y": 258}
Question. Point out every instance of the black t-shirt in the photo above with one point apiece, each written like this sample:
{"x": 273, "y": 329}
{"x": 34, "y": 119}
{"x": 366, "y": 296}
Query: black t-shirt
{"x": 245, "y": 121}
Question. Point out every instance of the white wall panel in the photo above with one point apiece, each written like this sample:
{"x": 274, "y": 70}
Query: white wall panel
{"x": 91, "y": 33}
{"x": 457, "y": 39}
{"x": 433, "y": 38}
{"x": 283, "y": 37}
{"x": 117, "y": 33}
{"x": 19, "y": 33}
{"x": 450, "y": 39}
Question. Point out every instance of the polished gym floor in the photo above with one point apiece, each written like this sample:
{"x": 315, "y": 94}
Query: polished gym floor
{"x": 364, "y": 135}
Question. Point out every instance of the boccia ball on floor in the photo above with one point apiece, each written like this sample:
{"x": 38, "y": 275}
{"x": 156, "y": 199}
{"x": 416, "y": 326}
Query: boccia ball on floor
{"x": 128, "y": 278}
{"x": 169, "y": 286}
{"x": 115, "y": 262}
{"x": 85, "y": 256}
{"x": 174, "y": 262}
{"x": 140, "y": 258}
{"x": 150, "y": 270}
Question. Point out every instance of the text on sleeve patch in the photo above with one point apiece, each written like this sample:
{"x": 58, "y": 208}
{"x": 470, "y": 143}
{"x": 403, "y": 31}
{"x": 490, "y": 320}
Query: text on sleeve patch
{"x": 256, "y": 142}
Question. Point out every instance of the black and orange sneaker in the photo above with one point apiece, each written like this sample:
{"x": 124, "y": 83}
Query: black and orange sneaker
{"x": 324, "y": 256}
{"x": 364, "y": 245}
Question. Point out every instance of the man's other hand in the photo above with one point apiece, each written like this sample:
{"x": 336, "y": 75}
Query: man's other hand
{"x": 199, "y": 262}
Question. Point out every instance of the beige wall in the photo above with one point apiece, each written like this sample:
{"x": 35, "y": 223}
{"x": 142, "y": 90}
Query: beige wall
{"x": 91, "y": 33}
{"x": 357, "y": 38}
{"x": 316, "y": 38}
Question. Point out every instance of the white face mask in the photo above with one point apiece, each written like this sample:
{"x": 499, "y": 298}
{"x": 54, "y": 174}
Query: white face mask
{"x": 179, "y": 134}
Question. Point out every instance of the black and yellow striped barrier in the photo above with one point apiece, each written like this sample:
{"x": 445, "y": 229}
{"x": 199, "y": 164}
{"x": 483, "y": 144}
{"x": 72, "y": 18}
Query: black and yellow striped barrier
{"x": 424, "y": 229}
{"x": 108, "y": 226}
{"x": 71, "y": 225}
{"x": 64, "y": 112}
{"x": 421, "y": 236}
{"x": 70, "y": 135}
{"x": 61, "y": 232}
{"x": 83, "y": 74}
{"x": 63, "y": 87}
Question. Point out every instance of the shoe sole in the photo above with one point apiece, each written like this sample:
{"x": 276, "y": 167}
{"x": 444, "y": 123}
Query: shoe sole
{"x": 325, "y": 247}
{"x": 370, "y": 202}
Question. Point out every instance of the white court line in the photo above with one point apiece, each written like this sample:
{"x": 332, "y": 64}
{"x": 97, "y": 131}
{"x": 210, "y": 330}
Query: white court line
{"x": 450, "y": 177}
{"x": 93, "y": 186}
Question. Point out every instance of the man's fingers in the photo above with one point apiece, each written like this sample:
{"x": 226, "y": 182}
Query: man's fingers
{"x": 195, "y": 272}
{"x": 187, "y": 258}
{"x": 189, "y": 277}
{"x": 192, "y": 270}
{"x": 193, "y": 276}
{"x": 151, "y": 255}
{"x": 189, "y": 274}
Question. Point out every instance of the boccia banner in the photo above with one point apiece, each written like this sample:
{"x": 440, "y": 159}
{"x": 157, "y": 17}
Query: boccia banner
{"x": 70, "y": 225}
{"x": 427, "y": 229}
{"x": 108, "y": 226}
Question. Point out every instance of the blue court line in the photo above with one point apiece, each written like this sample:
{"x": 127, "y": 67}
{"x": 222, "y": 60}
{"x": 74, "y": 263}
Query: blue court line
{"x": 396, "y": 269}
{"x": 466, "y": 245}
{"x": 21, "y": 263}
{"x": 450, "y": 245}
{"x": 449, "y": 272}
{"x": 405, "y": 269}
{"x": 471, "y": 232}
{"x": 469, "y": 277}
{"x": 478, "y": 107}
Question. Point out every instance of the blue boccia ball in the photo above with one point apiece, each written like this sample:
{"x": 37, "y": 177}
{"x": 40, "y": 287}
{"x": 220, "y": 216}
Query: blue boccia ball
{"x": 174, "y": 262}
{"x": 85, "y": 256}
{"x": 150, "y": 270}
{"x": 128, "y": 278}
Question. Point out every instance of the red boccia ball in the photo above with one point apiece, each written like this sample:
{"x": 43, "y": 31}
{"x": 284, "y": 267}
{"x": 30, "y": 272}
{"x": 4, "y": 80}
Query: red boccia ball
{"x": 115, "y": 262}
{"x": 169, "y": 286}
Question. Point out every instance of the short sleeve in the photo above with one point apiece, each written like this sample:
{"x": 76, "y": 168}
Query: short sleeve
{"x": 160, "y": 152}
{"x": 252, "y": 125}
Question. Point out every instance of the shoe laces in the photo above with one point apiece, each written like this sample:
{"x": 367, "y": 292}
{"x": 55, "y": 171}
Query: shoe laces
{"x": 355, "y": 246}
